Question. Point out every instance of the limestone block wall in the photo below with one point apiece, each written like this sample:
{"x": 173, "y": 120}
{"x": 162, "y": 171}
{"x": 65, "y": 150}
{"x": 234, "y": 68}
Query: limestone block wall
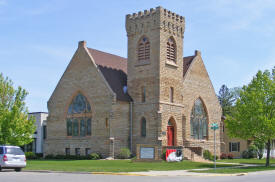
{"x": 197, "y": 84}
{"x": 148, "y": 111}
{"x": 119, "y": 126}
{"x": 81, "y": 76}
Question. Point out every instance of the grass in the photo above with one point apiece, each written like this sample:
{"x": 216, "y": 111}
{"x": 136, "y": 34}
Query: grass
{"x": 247, "y": 161}
{"x": 236, "y": 170}
{"x": 113, "y": 166}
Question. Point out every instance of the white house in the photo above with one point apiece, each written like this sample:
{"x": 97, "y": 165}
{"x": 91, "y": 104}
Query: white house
{"x": 40, "y": 134}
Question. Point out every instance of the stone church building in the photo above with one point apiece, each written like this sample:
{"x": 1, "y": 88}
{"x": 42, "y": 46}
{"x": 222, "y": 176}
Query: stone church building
{"x": 154, "y": 96}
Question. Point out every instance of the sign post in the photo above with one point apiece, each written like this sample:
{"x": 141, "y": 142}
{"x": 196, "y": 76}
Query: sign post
{"x": 214, "y": 126}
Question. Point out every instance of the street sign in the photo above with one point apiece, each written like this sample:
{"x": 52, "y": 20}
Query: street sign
{"x": 214, "y": 126}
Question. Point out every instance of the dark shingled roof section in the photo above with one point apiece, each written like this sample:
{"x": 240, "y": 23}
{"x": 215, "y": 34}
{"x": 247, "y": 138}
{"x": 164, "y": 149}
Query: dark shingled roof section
{"x": 109, "y": 60}
{"x": 114, "y": 70}
{"x": 186, "y": 63}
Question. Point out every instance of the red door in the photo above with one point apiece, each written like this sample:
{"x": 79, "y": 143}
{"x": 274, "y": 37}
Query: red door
{"x": 170, "y": 135}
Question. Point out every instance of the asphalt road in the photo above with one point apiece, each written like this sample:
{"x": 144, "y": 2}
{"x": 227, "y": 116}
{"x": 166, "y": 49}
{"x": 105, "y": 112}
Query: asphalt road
{"x": 10, "y": 176}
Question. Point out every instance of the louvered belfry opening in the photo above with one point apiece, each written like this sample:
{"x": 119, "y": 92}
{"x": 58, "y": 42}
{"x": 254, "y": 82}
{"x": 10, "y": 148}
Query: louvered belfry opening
{"x": 171, "y": 50}
{"x": 144, "y": 49}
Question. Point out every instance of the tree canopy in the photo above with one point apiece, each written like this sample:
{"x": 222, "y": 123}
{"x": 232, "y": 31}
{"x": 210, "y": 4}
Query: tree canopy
{"x": 253, "y": 116}
{"x": 15, "y": 126}
{"x": 226, "y": 99}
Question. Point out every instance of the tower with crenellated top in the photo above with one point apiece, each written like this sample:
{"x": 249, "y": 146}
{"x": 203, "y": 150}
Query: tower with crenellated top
{"x": 155, "y": 70}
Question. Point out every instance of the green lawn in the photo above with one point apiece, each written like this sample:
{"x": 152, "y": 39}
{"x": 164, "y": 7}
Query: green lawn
{"x": 247, "y": 161}
{"x": 112, "y": 166}
{"x": 236, "y": 170}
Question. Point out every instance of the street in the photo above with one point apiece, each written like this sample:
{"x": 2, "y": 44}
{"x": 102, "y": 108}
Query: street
{"x": 11, "y": 176}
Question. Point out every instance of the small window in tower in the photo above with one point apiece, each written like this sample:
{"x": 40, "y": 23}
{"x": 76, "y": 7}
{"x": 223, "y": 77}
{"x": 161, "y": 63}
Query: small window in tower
{"x": 143, "y": 94}
{"x": 171, "y": 94}
{"x": 143, "y": 51}
{"x": 171, "y": 50}
{"x": 106, "y": 123}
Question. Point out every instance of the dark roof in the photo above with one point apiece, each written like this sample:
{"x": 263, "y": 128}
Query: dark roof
{"x": 109, "y": 60}
{"x": 114, "y": 70}
{"x": 186, "y": 63}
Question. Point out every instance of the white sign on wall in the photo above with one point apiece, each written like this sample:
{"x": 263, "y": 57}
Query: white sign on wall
{"x": 147, "y": 152}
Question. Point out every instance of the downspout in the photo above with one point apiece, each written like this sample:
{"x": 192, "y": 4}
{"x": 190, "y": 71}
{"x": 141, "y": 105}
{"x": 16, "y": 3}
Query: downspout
{"x": 131, "y": 127}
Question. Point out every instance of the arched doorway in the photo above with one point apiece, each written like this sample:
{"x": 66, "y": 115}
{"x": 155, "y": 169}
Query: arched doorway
{"x": 171, "y": 132}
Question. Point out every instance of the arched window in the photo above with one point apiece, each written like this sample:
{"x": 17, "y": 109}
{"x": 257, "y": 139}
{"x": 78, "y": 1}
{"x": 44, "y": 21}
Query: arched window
{"x": 79, "y": 117}
{"x": 143, "y": 51}
{"x": 198, "y": 121}
{"x": 171, "y": 50}
{"x": 143, "y": 127}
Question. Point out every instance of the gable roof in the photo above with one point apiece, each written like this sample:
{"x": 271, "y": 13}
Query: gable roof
{"x": 114, "y": 70}
{"x": 186, "y": 63}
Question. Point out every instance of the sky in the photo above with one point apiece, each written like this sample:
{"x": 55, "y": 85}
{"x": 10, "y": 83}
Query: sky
{"x": 38, "y": 38}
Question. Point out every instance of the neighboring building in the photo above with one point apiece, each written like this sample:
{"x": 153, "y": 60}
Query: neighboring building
{"x": 236, "y": 146}
{"x": 156, "y": 96}
{"x": 40, "y": 134}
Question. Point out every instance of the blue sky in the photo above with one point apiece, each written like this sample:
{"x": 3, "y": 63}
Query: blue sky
{"x": 38, "y": 37}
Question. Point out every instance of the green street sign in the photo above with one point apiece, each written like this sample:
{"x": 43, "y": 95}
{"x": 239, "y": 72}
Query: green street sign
{"x": 214, "y": 126}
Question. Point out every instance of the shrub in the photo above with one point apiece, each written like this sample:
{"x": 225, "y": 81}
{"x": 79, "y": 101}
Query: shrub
{"x": 207, "y": 155}
{"x": 60, "y": 157}
{"x": 124, "y": 153}
{"x": 260, "y": 155}
{"x": 163, "y": 155}
{"x": 251, "y": 152}
{"x": 94, "y": 156}
{"x": 223, "y": 156}
{"x": 30, "y": 155}
{"x": 50, "y": 156}
{"x": 230, "y": 156}
{"x": 39, "y": 155}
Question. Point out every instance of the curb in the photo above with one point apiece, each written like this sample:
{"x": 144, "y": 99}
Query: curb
{"x": 135, "y": 174}
{"x": 122, "y": 174}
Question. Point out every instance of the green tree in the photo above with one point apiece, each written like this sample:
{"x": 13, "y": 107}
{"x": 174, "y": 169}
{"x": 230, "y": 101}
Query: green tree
{"x": 226, "y": 99}
{"x": 15, "y": 126}
{"x": 253, "y": 115}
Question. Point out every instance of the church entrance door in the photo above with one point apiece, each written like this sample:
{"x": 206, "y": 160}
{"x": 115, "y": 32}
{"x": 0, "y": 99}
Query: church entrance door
{"x": 170, "y": 135}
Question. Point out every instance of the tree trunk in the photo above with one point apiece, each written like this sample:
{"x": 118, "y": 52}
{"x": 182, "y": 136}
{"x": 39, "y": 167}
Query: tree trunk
{"x": 268, "y": 153}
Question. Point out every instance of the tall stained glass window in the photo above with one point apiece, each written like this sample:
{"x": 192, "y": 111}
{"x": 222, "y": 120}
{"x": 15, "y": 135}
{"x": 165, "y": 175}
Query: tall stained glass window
{"x": 198, "y": 121}
{"x": 79, "y": 117}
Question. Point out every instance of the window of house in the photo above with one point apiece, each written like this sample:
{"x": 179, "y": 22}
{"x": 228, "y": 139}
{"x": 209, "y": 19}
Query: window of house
{"x": 198, "y": 121}
{"x": 87, "y": 151}
{"x": 143, "y": 51}
{"x": 77, "y": 151}
{"x": 171, "y": 50}
{"x": 44, "y": 132}
{"x": 171, "y": 94}
{"x": 234, "y": 146}
{"x": 79, "y": 117}
{"x": 143, "y": 127}
{"x": 143, "y": 94}
{"x": 67, "y": 151}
